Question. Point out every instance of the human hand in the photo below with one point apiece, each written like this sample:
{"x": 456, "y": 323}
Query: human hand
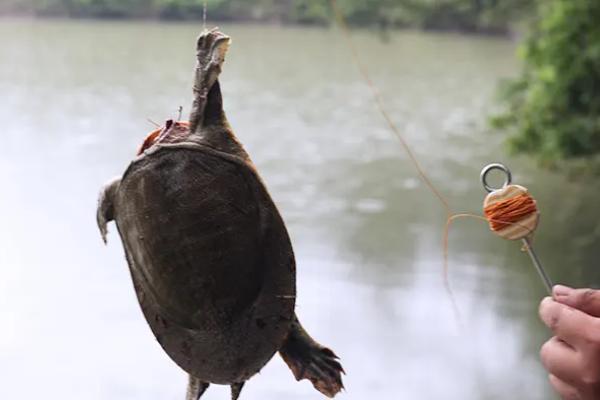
{"x": 572, "y": 356}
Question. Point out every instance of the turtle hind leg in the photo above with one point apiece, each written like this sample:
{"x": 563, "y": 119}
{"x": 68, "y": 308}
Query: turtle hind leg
{"x": 236, "y": 389}
{"x": 196, "y": 388}
{"x": 309, "y": 360}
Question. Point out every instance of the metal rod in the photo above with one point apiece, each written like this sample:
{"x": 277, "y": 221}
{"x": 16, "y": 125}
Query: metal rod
{"x": 538, "y": 265}
{"x": 526, "y": 241}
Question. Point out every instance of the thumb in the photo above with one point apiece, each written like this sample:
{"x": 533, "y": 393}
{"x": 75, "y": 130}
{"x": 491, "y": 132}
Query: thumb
{"x": 586, "y": 300}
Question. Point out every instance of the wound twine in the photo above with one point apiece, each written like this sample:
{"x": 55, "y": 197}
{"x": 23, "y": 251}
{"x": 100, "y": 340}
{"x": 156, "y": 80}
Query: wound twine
{"x": 510, "y": 211}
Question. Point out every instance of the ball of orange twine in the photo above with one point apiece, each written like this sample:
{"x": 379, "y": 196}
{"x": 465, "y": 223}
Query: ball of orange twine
{"x": 510, "y": 211}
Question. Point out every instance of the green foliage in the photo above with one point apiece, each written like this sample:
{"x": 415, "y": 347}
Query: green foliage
{"x": 109, "y": 8}
{"x": 472, "y": 15}
{"x": 182, "y": 9}
{"x": 464, "y": 15}
{"x": 311, "y": 12}
{"x": 554, "y": 107}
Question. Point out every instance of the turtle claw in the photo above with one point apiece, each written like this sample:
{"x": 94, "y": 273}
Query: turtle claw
{"x": 323, "y": 371}
{"x": 309, "y": 360}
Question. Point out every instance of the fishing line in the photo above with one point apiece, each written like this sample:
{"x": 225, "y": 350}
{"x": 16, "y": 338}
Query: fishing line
{"x": 156, "y": 124}
{"x": 364, "y": 71}
{"x": 204, "y": 12}
{"x": 501, "y": 215}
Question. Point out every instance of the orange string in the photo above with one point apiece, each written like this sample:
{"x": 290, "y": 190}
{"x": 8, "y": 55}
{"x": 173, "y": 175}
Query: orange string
{"x": 500, "y": 215}
{"x": 503, "y": 213}
{"x": 154, "y": 136}
{"x": 149, "y": 141}
{"x": 380, "y": 105}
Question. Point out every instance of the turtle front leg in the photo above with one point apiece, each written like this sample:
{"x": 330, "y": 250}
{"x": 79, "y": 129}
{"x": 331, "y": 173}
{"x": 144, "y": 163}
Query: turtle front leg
{"x": 309, "y": 360}
{"x": 196, "y": 388}
{"x": 106, "y": 209}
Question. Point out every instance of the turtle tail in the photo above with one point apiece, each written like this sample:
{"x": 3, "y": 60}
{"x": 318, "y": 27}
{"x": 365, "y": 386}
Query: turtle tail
{"x": 309, "y": 360}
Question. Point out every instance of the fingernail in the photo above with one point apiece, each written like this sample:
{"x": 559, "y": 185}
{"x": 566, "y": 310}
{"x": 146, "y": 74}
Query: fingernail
{"x": 561, "y": 291}
{"x": 546, "y": 300}
{"x": 544, "y": 304}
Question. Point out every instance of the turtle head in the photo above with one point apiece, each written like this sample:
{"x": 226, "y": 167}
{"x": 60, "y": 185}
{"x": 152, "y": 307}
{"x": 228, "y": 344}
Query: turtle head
{"x": 211, "y": 47}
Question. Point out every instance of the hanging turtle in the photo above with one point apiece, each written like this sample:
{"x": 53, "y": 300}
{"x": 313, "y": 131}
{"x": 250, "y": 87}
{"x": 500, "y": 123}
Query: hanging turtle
{"x": 210, "y": 258}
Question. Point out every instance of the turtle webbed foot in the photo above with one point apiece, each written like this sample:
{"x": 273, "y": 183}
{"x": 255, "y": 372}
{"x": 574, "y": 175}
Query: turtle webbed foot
{"x": 309, "y": 360}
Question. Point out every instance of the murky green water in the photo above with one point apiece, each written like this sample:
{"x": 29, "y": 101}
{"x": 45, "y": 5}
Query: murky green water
{"x": 74, "y": 99}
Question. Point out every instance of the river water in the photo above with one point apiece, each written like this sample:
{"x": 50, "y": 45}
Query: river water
{"x": 74, "y": 102}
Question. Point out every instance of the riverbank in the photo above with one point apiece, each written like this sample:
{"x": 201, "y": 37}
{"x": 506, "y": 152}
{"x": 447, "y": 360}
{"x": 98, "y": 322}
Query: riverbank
{"x": 459, "y": 16}
{"x": 514, "y": 31}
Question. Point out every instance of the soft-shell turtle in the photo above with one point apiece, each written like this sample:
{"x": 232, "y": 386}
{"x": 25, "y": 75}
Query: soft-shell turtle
{"x": 210, "y": 258}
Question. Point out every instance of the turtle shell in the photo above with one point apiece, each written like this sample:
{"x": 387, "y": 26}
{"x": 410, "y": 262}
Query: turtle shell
{"x": 211, "y": 260}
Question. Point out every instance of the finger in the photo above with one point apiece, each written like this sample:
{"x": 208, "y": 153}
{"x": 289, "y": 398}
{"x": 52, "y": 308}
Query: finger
{"x": 586, "y": 300}
{"x": 573, "y": 326}
{"x": 566, "y": 391}
{"x": 561, "y": 360}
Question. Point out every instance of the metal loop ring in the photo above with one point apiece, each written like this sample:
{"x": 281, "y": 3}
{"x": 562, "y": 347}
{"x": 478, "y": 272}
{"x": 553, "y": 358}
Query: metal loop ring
{"x": 495, "y": 166}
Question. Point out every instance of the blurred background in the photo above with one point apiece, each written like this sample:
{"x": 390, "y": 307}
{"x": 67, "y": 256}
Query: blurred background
{"x": 467, "y": 81}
